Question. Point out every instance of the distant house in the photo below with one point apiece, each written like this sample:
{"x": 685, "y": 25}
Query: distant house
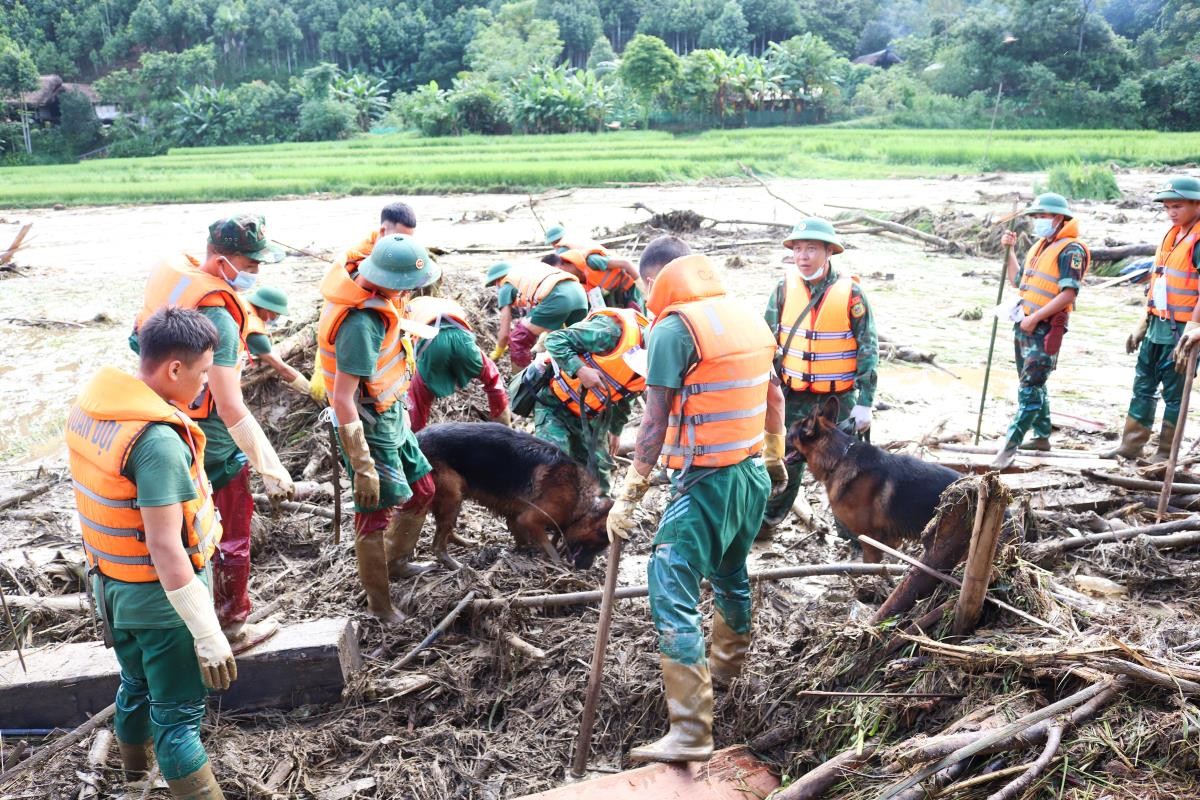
{"x": 887, "y": 57}
{"x": 42, "y": 102}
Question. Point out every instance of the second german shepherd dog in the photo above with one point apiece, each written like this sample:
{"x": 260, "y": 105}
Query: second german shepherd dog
{"x": 537, "y": 488}
{"x": 871, "y": 491}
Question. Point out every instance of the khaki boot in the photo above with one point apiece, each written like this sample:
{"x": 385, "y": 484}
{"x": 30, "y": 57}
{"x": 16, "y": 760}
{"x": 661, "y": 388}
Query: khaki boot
{"x": 371, "y": 554}
{"x": 689, "y": 708}
{"x": 135, "y": 759}
{"x": 1133, "y": 440}
{"x": 243, "y": 636}
{"x": 402, "y": 534}
{"x": 1040, "y": 443}
{"x": 727, "y": 652}
{"x": 1166, "y": 435}
{"x": 1006, "y": 455}
{"x": 200, "y": 785}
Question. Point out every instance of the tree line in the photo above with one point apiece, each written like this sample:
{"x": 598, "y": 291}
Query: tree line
{"x": 209, "y": 72}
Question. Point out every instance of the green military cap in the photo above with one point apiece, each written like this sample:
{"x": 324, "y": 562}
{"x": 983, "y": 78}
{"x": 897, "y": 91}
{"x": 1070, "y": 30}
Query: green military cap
{"x": 555, "y": 233}
{"x": 1050, "y": 203}
{"x": 270, "y": 298}
{"x": 496, "y": 272}
{"x": 399, "y": 262}
{"x": 814, "y": 229}
{"x": 1181, "y": 187}
{"x": 245, "y": 234}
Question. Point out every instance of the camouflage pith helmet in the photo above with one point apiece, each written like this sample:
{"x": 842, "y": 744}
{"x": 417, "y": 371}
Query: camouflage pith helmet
{"x": 814, "y": 229}
{"x": 245, "y": 234}
{"x": 270, "y": 298}
{"x": 1050, "y": 203}
{"x": 555, "y": 233}
{"x": 1181, "y": 187}
{"x": 496, "y": 272}
{"x": 398, "y": 262}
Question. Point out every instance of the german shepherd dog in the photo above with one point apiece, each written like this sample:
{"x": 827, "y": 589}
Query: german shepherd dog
{"x": 536, "y": 487}
{"x": 871, "y": 491}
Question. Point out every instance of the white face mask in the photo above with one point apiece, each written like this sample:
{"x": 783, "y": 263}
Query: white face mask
{"x": 1043, "y": 227}
{"x": 816, "y": 276}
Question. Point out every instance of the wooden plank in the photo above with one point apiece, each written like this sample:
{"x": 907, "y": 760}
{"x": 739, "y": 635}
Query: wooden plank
{"x": 731, "y": 774}
{"x": 1040, "y": 481}
{"x": 7, "y": 255}
{"x": 305, "y": 663}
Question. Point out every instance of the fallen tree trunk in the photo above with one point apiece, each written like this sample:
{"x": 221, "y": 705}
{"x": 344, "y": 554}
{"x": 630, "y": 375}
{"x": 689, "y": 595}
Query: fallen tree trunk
{"x": 814, "y": 783}
{"x": 1042, "y": 550}
{"x": 1121, "y": 251}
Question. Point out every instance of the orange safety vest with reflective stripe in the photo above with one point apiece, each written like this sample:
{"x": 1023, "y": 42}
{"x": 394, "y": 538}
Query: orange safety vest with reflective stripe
{"x": 606, "y": 280}
{"x": 179, "y": 281}
{"x": 1040, "y": 275}
{"x": 534, "y": 282}
{"x": 718, "y": 417}
{"x": 1174, "y": 264}
{"x": 360, "y": 251}
{"x": 822, "y": 355}
{"x": 393, "y": 368}
{"x": 437, "y": 310}
{"x": 620, "y": 380}
{"x": 106, "y": 421}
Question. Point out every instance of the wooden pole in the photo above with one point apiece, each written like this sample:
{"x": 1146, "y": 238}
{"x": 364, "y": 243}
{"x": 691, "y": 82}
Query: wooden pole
{"x": 12, "y": 626}
{"x": 987, "y": 372}
{"x": 583, "y": 743}
{"x": 1169, "y": 477}
{"x": 989, "y": 518}
{"x": 336, "y": 472}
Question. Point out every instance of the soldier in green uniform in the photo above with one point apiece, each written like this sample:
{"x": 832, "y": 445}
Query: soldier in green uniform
{"x": 268, "y": 305}
{"x": 1172, "y": 314}
{"x": 815, "y": 312}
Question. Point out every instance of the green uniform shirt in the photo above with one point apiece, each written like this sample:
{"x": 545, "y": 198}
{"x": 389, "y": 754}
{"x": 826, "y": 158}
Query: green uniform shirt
{"x": 592, "y": 335}
{"x": 357, "y": 345}
{"x": 1167, "y": 331}
{"x": 863, "y": 326}
{"x": 671, "y": 352}
{"x": 222, "y": 458}
{"x": 617, "y": 298}
{"x": 566, "y": 303}
{"x": 448, "y": 361}
{"x": 159, "y": 465}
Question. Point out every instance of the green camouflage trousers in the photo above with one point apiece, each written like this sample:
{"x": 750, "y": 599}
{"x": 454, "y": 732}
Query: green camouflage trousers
{"x": 1034, "y": 366}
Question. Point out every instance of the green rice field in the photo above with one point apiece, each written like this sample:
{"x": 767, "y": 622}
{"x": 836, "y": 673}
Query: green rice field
{"x": 405, "y": 162}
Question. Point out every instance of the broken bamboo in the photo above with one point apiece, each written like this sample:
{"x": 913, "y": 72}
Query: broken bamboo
{"x": 814, "y": 783}
{"x": 1041, "y": 550}
{"x": 992, "y": 501}
{"x": 48, "y": 751}
{"x": 1139, "y": 483}
{"x": 1017, "y": 788}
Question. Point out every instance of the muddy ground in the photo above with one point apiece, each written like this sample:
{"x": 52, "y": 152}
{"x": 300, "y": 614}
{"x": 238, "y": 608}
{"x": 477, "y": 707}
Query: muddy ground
{"x": 476, "y": 717}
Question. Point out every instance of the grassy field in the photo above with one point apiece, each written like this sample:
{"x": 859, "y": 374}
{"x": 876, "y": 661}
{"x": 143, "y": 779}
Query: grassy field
{"x": 404, "y": 162}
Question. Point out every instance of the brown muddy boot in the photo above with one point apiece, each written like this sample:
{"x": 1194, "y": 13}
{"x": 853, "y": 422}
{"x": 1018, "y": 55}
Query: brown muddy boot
{"x": 244, "y": 636}
{"x": 689, "y": 707}
{"x": 1006, "y": 455}
{"x": 135, "y": 759}
{"x": 727, "y": 652}
{"x": 371, "y": 554}
{"x": 1040, "y": 443}
{"x": 401, "y": 536}
{"x": 1133, "y": 440}
{"x": 200, "y": 785}
{"x": 1166, "y": 436}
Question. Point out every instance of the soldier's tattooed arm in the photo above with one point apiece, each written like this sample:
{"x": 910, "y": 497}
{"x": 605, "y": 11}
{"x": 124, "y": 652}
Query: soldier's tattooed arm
{"x": 653, "y": 431}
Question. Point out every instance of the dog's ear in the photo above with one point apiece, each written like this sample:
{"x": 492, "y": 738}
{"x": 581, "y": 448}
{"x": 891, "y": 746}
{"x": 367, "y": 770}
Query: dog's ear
{"x": 830, "y": 409}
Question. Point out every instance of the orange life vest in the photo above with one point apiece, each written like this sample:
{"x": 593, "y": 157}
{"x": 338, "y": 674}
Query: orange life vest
{"x": 620, "y": 380}
{"x": 1039, "y": 278}
{"x": 436, "y": 311}
{"x": 534, "y": 282}
{"x": 179, "y": 281}
{"x": 1173, "y": 263}
{"x": 822, "y": 356}
{"x": 355, "y": 255}
{"x": 718, "y": 417}
{"x": 393, "y": 368}
{"x": 606, "y": 280}
{"x": 102, "y": 427}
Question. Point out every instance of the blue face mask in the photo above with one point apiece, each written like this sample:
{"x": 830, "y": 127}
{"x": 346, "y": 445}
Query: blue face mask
{"x": 242, "y": 281}
{"x": 1043, "y": 227}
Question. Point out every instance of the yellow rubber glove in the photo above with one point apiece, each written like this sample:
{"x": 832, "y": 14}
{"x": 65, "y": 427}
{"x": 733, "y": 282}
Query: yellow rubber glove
{"x": 366, "y": 479}
{"x": 627, "y": 497}
{"x": 499, "y": 352}
{"x": 300, "y": 385}
{"x": 316, "y": 387}
{"x": 774, "y": 445}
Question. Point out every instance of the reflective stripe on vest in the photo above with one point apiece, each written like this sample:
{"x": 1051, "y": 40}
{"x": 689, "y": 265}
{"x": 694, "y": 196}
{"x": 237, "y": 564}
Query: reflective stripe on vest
{"x": 619, "y": 378}
{"x": 718, "y": 417}
{"x": 822, "y": 356}
{"x": 606, "y": 280}
{"x": 1041, "y": 274}
{"x": 106, "y": 501}
{"x": 393, "y": 365}
{"x": 1173, "y": 263}
{"x": 534, "y": 282}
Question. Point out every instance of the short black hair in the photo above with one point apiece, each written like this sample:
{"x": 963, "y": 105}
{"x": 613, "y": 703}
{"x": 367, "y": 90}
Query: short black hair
{"x": 171, "y": 333}
{"x": 659, "y": 253}
{"x": 552, "y": 259}
{"x": 399, "y": 214}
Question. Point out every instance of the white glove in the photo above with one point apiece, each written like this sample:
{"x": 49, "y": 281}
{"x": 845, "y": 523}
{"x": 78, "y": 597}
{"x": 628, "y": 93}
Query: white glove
{"x": 194, "y": 605}
{"x": 627, "y": 497}
{"x": 249, "y": 437}
{"x": 862, "y": 417}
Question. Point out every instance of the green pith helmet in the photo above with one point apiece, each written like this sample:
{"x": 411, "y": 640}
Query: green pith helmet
{"x": 245, "y": 234}
{"x": 496, "y": 272}
{"x": 399, "y": 262}
{"x": 270, "y": 298}
{"x": 1050, "y": 203}
{"x": 814, "y": 229}
{"x": 555, "y": 233}
{"x": 1181, "y": 187}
